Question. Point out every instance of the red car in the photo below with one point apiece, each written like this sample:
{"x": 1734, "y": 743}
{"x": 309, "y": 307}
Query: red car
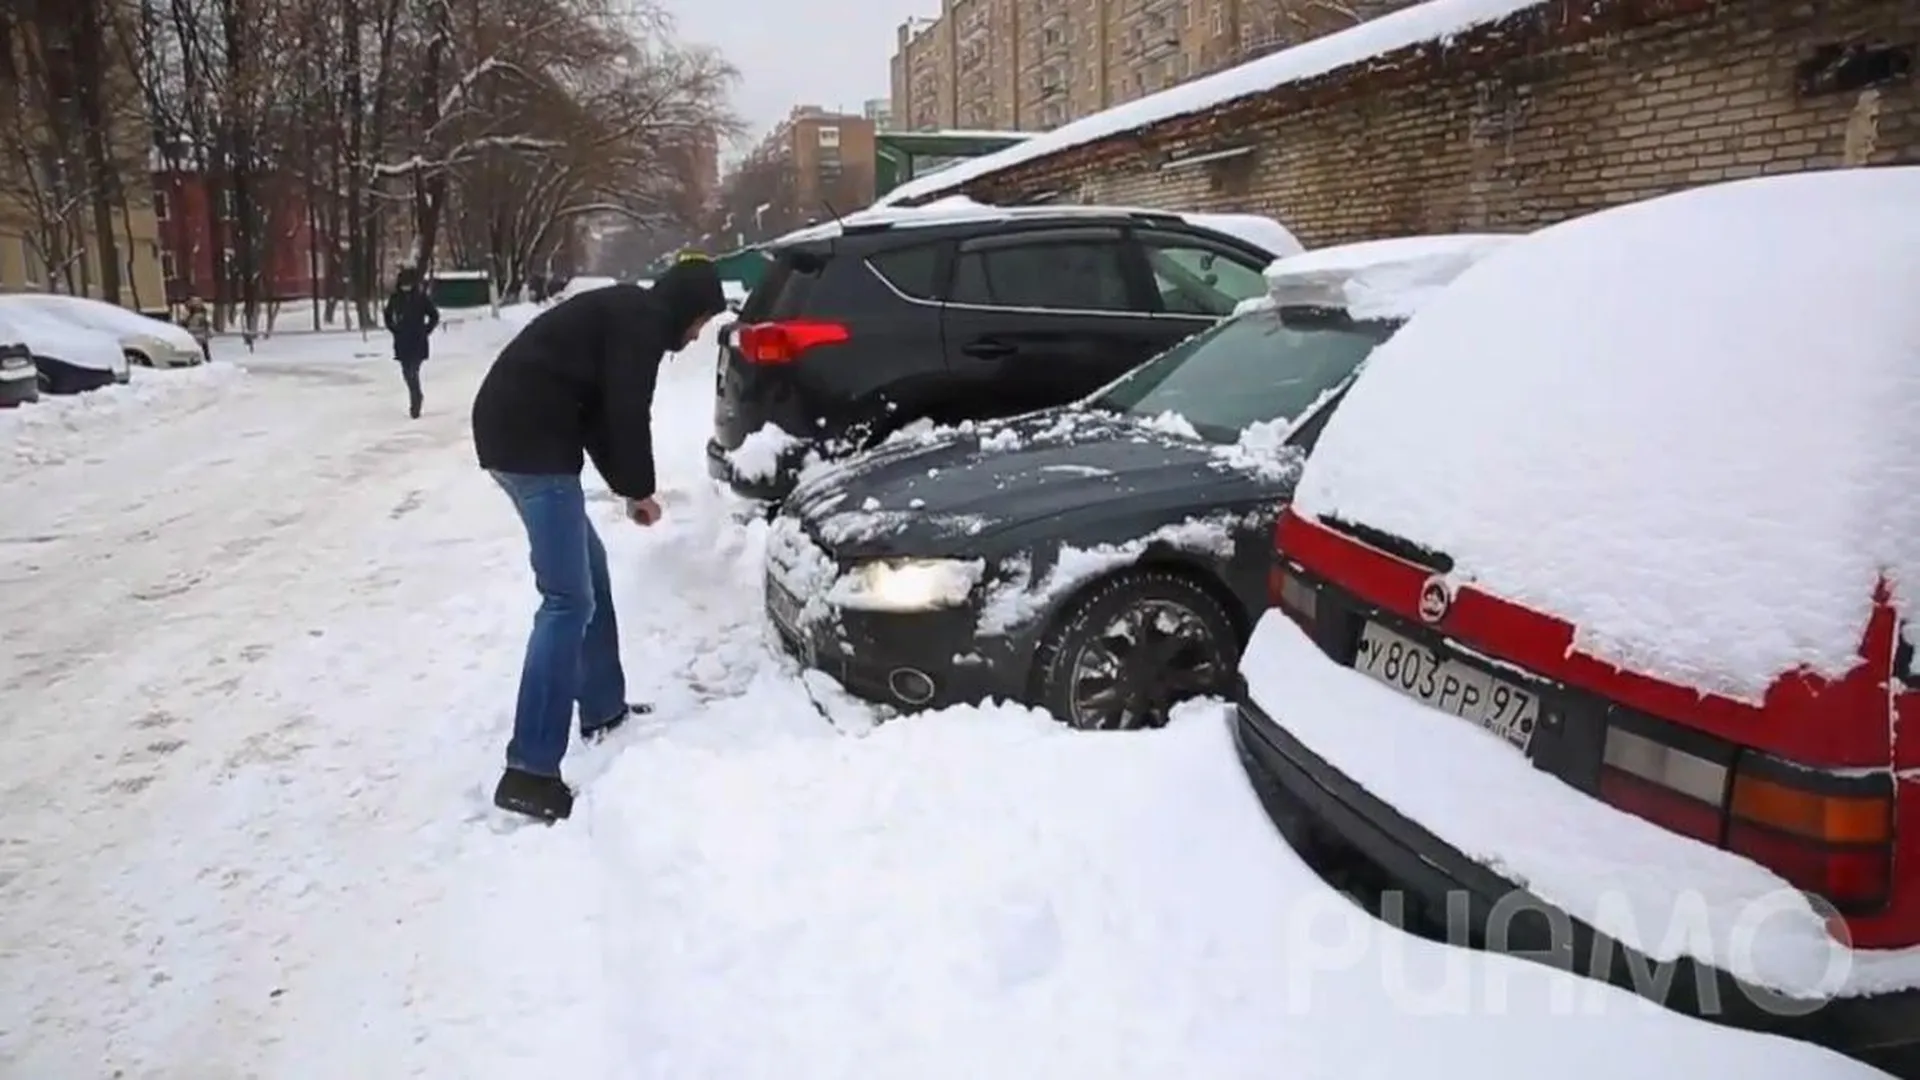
{"x": 1598, "y": 604}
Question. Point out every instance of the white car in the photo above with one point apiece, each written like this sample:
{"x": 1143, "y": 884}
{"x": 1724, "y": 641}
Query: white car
{"x": 146, "y": 341}
{"x": 69, "y": 358}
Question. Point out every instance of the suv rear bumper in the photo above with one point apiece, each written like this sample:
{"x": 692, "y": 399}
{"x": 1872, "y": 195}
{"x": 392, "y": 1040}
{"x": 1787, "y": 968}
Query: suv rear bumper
{"x": 770, "y": 491}
{"x": 1311, "y": 802}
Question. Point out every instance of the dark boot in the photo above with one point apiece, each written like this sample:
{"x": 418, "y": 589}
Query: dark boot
{"x": 543, "y": 798}
{"x": 600, "y": 731}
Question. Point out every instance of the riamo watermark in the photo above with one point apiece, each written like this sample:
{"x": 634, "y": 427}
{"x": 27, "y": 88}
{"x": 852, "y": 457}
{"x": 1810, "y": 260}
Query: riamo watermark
{"x": 1781, "y": 945}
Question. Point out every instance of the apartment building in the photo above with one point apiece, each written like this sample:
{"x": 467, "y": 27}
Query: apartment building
{"x": 1029, "y": 65}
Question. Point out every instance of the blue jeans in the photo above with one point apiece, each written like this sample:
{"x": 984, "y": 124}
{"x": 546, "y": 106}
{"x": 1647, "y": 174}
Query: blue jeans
{"x": 573, "y": 654}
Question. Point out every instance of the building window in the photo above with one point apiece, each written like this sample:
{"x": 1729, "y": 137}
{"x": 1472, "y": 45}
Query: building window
{"x": 169, "y": 269}
{"x": 159, "y": 206}
{"x": 829, "y": 136}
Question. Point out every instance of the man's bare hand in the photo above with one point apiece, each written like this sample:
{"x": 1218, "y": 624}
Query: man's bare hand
{"x": 643, "y": 511}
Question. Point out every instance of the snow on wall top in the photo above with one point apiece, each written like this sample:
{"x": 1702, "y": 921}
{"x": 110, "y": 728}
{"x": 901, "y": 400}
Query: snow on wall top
{"x": 1379, "y": 279}
{"x": 1262, "y": 232}
{"x": 1435, "y": 20}
{"x": 1685, "y": 425}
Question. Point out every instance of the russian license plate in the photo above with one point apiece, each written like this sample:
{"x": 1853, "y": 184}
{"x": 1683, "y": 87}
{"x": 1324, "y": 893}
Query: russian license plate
{"x": 1469, "y": 693}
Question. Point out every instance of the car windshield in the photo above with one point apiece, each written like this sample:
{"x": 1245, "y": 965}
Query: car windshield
{"x": 1259, "y": 367}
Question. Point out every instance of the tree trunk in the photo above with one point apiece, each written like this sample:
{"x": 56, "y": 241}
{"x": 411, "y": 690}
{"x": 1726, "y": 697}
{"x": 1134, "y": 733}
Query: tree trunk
{"x": 86, "y": 40}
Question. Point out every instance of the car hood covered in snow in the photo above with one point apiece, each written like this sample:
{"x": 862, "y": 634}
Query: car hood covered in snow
{"x": 1064, "y": 475}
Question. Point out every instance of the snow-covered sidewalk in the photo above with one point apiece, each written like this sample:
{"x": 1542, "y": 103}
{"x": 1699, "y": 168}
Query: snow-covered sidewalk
{"x": 260, "y": 640}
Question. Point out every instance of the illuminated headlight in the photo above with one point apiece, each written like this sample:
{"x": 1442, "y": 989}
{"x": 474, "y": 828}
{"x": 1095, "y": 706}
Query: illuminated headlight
{"x": 907, "y": 585}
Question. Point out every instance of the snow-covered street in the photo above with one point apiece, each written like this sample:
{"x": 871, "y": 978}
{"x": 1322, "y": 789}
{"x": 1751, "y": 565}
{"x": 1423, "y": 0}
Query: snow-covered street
{"x": 260, "y": 643}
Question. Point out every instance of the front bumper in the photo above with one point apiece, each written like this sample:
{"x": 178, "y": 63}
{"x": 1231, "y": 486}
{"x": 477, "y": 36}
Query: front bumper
{"x": 926, "y": 660}
{"x": 1312, "y": 803}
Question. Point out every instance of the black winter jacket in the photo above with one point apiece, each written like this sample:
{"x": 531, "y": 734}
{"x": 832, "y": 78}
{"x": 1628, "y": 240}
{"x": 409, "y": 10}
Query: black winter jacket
{"x": 577, "y": 382}
{"x": 410, "y": 317}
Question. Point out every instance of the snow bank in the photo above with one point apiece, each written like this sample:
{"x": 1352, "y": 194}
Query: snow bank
{"x": 1379, "y": 279}
{"x": 57, "y": 428}
{"x": 1685, "y": 425}
{"x": 1436, "y": 20}
{"x": 1661, "y": 893}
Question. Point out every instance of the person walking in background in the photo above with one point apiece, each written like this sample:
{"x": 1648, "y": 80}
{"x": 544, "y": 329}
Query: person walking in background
{"x": 577, "y": 383}
{"x": 200, "y": 324}
{"x": 411, "y": 318}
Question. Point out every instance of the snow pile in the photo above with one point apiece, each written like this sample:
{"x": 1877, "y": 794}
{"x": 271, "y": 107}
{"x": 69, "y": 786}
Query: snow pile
{"x": 1016, "y": 599}
{"x": 1684, "y": 425}
{"x": 58, "y": 428}
{"x": 1378, "y": 279}
{"x": 759, "y": 455}
{"x": 1262, "y": 449}
{"x": 1436, "y": 20}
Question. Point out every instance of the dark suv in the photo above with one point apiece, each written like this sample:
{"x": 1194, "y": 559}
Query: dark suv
{"x": 858, "y": 331}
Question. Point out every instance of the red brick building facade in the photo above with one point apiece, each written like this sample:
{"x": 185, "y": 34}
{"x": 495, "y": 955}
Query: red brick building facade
{"x": 1558, "y": 110}
{"x": 192, "y": 230}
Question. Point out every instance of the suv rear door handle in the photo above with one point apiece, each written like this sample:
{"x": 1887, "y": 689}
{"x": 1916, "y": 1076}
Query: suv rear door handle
{"x": 988, "y": 349}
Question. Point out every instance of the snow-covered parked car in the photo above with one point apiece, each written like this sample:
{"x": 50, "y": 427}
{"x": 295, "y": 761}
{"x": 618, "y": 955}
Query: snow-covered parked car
{"x": 1599, "y": 598}
{"x": 146, "y": 341}
{"x": 68, "y": 358}
{"x": 1103, "y": 559}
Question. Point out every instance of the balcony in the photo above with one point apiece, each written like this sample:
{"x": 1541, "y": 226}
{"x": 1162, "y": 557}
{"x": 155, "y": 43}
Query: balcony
{"x": 1257, "y": 45}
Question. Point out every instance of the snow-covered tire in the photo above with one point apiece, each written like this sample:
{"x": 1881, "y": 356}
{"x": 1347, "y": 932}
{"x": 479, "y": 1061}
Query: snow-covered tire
{"x": 1134, "y": 595}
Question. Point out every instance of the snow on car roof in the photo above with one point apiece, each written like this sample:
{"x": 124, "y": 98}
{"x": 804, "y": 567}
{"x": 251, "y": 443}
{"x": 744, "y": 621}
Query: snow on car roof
{"x": 1262, "y": 232}
{"x": 1684, "y": 425}
{"x": 1378, "y": 279}
{"x": 1436, "y": 20}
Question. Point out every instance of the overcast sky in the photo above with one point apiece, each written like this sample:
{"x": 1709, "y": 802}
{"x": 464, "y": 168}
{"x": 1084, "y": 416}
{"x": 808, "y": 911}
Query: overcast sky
{"x": 831, "y": 53}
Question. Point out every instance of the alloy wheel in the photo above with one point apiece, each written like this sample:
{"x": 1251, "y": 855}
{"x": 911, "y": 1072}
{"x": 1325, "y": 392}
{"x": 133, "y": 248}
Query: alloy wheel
{"x": 1147, "y": 659}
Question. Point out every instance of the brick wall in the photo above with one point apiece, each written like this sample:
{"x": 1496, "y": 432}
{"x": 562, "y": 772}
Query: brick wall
{"x": 1525, "y": 130}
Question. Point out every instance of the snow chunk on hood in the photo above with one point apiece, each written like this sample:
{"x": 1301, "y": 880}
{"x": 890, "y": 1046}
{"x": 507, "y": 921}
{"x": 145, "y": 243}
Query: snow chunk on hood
{"x": 1378, "y": 279}
{"x": 1684, "y": 425}
{"x": 1018, "y": 599}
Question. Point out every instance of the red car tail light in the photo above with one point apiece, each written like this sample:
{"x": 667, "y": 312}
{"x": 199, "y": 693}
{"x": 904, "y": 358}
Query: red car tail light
{"x": 785, "y": 342}
{"x": 1671, "y": 787}
{"x": 1825, "y": 832}
{"x": 1829, "y": 833}
{"x": 1291, "y": 593}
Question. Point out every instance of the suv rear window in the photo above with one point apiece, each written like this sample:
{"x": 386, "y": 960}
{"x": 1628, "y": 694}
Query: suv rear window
{"x": 816, "y": 284}
{"x": 913, "y": 270}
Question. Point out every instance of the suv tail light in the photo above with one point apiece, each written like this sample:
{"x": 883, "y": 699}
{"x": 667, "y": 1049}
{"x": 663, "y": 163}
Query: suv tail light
{"x": 785, "y": 342}
{"x": 1829, "y": 833}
